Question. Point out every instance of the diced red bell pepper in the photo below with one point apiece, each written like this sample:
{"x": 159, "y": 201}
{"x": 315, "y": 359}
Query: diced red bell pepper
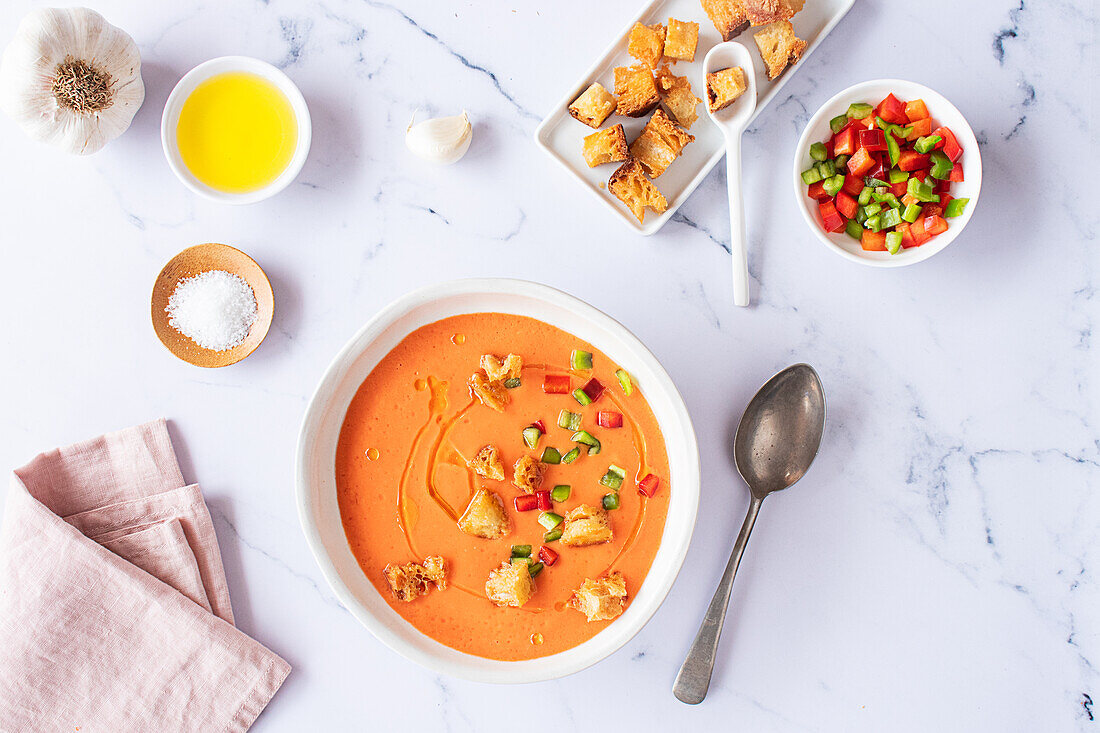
{"x": 916, "y": 110}
{"x": 935, "y": 224}
{"x": 607, "y": 419}
{"x": 909, "y": 199}
{"x": 917, "y": 229}
{"x": 951, "y": 147}
{"x": 547, "y": 556}
{"x": 945, "y": 199}
{"x": 899, "y": 189}
{"x": 540, "y": 425}
{"x": 853, "y": 186}
{"x": 921, "y": 128}
{"x": 593, "y": 388}
{"x": 830, "y": 217}
{"x": 931, "y": 210}
{"x": 906, "y": 233}
{"x": 911, "y": 160}
{"x": 872, "y": 140}
{"x": 816, "y": 191}
{"x": 892, "y": 110}
{"x": 829, "y": 151}
{"x": 941, "y": 186}
{"x": 844, "y": 142}
{"x": 860, "y": 162}
{"x": 878, "y": 170}
{"x": 921, "y": 174}
{"x": 649, "y": 485}
{"x": 545, "y": 503}
{"x": 873, "y": 241}
{"x": 555, "y": 384}
{"x": 526, "y": 503}
{"x": 846, "y": 205}
{"x": 956, "y": 174}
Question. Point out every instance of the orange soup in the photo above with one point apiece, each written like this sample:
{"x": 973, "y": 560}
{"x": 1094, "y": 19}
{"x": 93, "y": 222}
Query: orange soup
{"x": 412, "y": 475}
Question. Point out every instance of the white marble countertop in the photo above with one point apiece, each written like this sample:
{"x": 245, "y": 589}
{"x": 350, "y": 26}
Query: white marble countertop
{"x": 934, "y": 571}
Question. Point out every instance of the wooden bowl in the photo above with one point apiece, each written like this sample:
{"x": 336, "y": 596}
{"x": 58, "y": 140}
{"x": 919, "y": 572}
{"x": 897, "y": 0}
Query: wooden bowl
{"x": 204, "y": 258}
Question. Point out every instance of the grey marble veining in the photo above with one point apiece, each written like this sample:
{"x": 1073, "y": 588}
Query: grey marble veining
{"x": 936, "y": 568}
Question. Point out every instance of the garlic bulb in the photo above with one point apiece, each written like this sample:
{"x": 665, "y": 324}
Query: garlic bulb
{"x": 71, "y": 79}
{"x": 442, "y": 140}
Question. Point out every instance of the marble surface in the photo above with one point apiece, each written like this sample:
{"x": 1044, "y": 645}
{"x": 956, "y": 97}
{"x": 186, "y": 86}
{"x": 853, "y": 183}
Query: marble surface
{"x": 936, "y": 570}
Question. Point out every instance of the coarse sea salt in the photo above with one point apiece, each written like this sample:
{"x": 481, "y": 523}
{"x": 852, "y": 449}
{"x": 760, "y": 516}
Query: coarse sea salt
{"x": 215, "y": 309}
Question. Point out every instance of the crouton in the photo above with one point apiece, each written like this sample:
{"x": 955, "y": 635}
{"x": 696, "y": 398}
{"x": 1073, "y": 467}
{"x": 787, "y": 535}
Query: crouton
{"x": 725, "y": 86}
{"x": 593, "y": 106}
{"x": 510, "y": 585}
{"x": 409, "y": 582}
{"x": 601, "y": 600}
{"x": 485, "y": 516}
{"x": 762, "y": 12}
{"x": 629, "y": 185}
{"x": 676, "y": 97}
{"x": 779, "y": 47}
{"x": 491, "y": 394}
{"x": 487, "y": 463}
{"x": 605, "y": 146}
{"x": 586, "y": 525}
{"x": 636, "y": 91}
{"x": 660, "y": 143}
{"x": 681, "y": 38}
{"x": 528, "y": 473}
{"x": 501, "y": 370}
{"x": 728, "y": 16}
{"x": 647, "y": 43}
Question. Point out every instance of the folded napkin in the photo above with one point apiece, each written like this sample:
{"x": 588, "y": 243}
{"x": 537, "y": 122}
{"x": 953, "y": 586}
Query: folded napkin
{"x": 114, "y": 610}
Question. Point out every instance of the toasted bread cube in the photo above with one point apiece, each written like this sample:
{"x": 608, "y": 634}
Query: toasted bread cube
{"x": 510, "y": 585}
{"x": 500, "y": 370}
{"x": 725, "y": 86}
{"x": 647, "y": 43}
{"x": 601, "y": 600}
{"x": 593, "y": 106}
{"x": 528, "y": 473}
{"x": 660, "y": 143}
{"x": 487, "y": 463}
{"x": 681, "y": 38}
{"x": 676, "y": 97}
{"x": 636, "y": 90}
{"x": 629, "y": 185}
{"x": 491, "y": 394}
{"x": 728, "y": 16}
{"x": 779, "y": 46}
{"x": 409, "y": 582}
{"x": 605, "y": 146}
{"x": 586, "y": 525}
{"x": 762, "y": 12}
{"x": 485, "y": 516}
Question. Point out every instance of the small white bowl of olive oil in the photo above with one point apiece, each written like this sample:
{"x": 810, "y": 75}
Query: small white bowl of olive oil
{"x": 236, "y": 129}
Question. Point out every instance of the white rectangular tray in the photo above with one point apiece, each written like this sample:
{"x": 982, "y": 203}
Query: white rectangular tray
{"x": 560, "y": 135}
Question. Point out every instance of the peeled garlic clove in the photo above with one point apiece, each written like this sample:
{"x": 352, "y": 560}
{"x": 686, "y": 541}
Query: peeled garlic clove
{"x": 441, "y": 140}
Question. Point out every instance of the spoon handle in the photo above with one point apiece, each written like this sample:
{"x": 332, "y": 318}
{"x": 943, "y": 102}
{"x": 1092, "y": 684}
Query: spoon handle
{"x": 693, "y": 680}
{"x": 738, "y": 235}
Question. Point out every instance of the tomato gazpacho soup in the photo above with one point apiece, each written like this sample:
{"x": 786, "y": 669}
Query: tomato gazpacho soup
{"x": 503, "y": 484}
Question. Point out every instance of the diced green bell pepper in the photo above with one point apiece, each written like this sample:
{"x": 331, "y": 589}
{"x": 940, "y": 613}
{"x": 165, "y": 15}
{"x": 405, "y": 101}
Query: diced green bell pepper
{"x": 859, "y": 110}
{"x": 926, "y": 143}
{"x": 818, "y": 152}
{"x": 893, "y": 242}
{"x": 811, "y": 176}
{"x": 834, "y": 184}
{"x": 854, "y": 229}
{"x": 837, "y": 123}
{"x": 955, "y": 207}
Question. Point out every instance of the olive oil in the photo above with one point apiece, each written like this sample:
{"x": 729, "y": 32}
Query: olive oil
{"x": 236, "y": 132}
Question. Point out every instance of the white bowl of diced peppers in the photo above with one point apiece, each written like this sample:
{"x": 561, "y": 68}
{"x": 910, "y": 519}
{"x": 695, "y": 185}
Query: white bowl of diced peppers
{"x": 887, "y": 173}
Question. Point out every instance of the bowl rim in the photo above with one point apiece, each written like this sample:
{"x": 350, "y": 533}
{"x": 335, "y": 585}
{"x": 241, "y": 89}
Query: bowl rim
{"x": 221, "y": 65}
{"x": 972, "y": 154}
{"x": 469, "y": 666}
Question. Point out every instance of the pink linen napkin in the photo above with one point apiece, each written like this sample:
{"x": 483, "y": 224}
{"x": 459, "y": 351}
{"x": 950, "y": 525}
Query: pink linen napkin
{"x": 114, "y": 609}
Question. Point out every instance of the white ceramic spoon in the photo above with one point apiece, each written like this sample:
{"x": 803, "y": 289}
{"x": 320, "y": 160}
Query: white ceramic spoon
{"x": 732, "y": 121}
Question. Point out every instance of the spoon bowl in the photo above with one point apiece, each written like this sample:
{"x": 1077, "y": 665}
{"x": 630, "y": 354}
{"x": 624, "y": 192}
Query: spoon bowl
{"x": 779, "y": 434}
{"x": 776, "y": 441}
{"x": 732, "y": 121}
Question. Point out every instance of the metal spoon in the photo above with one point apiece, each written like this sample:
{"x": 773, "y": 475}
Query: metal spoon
{"x": 776, "y": 441}
{"x": 732, "y": 121}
